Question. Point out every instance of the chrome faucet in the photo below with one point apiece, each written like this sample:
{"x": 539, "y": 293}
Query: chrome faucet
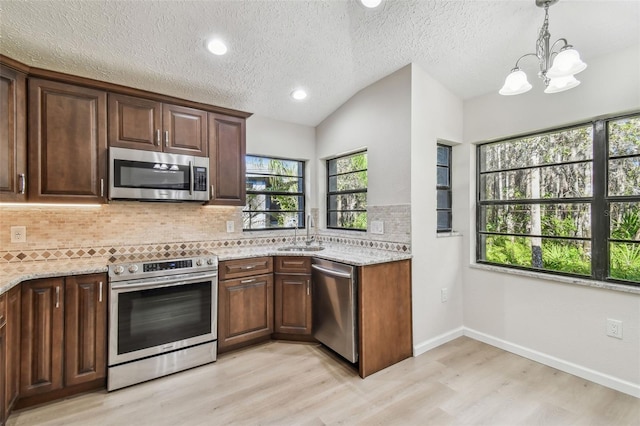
{"x": 310, "y": 237}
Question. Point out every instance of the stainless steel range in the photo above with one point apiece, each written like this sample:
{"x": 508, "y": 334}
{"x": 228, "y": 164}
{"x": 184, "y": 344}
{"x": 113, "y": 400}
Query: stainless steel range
{"x": 162, "y": 318}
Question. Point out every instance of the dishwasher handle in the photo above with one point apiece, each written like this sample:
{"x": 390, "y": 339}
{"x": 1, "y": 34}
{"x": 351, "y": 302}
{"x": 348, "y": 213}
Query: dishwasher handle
{"x": 332, "y": 272}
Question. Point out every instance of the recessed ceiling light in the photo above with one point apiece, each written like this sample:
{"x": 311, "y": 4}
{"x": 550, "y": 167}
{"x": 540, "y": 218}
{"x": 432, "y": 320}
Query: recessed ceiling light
{"x": 371, "y": 4}
{"x": 298, "y": 94}
{"x": 217, "y": 47}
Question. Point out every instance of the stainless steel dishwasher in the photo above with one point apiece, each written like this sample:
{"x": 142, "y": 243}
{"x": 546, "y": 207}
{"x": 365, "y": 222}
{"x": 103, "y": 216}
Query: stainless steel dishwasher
{"x": 335, "y": 307}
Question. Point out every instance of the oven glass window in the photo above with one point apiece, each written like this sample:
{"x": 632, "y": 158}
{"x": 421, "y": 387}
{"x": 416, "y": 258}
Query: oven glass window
{"x": 140, "y": 174}
{"x": 148, "y": 318}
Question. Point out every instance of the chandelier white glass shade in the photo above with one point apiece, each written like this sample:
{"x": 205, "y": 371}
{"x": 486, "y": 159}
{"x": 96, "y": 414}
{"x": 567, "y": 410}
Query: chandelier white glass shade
{"x": 557, "y": 67}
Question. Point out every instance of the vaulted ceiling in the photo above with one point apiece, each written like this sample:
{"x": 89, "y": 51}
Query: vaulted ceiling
{"x": 331, "y": 48}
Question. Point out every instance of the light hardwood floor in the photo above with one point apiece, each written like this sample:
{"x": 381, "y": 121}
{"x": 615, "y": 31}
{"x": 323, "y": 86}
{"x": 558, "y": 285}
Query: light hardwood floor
{"x": 463, "y": 382}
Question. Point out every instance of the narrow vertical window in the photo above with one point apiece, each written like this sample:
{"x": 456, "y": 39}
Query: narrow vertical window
{"x": 443, "y": 189}
{"x": 347, "y": 192}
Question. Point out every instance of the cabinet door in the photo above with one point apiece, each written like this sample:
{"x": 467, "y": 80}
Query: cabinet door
{"x": 226, "y": 159}
{"x": 245, "y": 310}
{"x": 3, "y": 375}
{"x": 185, "y": 130}
{"x": 135, "y": 123}
{"x": 13, "y": 347}
{"x": 293, "y": 304}
{"x": 41, "y": 335}
{"x": 85, "y": 308}
{"x": 67, "y": 142}
{"x": 230, "y": 269}
{"x": 13, "y": 130}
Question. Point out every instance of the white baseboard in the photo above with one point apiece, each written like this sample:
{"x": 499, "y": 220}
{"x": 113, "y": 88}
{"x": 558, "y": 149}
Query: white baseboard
{"x": 423, "y": 347}
{"x": 624, "y": 386}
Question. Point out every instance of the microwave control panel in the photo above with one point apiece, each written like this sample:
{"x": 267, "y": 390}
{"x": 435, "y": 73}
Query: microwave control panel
{"x": 199, "y": 179}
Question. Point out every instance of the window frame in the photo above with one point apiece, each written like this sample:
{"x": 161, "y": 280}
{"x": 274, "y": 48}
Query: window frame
{"x": 447, "y": 188}
{"x": 353, "y": 191}
{"x": 300, "y": 220}
{"x": 599, "y": 201}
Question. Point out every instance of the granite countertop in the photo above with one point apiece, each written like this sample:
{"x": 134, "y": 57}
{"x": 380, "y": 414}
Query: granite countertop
{"x": 13, "y": 273}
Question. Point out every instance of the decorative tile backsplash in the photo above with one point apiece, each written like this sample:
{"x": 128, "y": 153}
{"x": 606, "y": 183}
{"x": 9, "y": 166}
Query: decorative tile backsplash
{"x": 143, "y": 229}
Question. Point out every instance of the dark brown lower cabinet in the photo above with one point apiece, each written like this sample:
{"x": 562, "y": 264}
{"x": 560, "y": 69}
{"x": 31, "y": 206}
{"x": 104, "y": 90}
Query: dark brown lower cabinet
{"x": 3, "y": 357}
{"x": 292, "y": 297}
{"x": 64, "y": 335}
{"x": 245, "y": 311}
{"x": 12, "y": 377}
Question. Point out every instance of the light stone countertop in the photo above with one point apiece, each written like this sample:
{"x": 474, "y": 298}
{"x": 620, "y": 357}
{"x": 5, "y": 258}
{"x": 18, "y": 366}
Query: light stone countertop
{"x": 13, "y": 273}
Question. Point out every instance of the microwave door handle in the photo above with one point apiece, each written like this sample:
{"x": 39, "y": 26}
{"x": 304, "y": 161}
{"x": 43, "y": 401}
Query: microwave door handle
{"x": 190, "y": 178}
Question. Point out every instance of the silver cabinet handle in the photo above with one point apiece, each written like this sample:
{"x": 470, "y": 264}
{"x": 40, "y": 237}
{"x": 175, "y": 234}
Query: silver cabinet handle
{"x": 166, "y": 138}
{"x": 100, "y": 290}
{"x": 308, "y": 285}
{"x": 247, "y": 281}
{"x": 248, "y": 267}
{"x": 211, "y": 196}
{"x": 57, "y": 296}
{"x": 23, "y": 184}
{"x": 102, "y": 187}
{"x": 157, "y": 137}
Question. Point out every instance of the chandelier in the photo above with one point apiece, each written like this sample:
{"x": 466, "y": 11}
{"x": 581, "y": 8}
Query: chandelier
{"x": 558, "y": 75}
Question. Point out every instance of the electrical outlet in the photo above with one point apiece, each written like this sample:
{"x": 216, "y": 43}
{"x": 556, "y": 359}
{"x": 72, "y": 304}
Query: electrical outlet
{"x": 18, "y": 234}
{"x": 614, "y": 328}
{"x": 230, "y": 226}
{"x": 444, "y": 294}
{"x": 377, "y": 227}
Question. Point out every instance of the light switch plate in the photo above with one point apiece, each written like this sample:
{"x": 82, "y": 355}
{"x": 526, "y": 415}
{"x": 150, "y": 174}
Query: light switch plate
{"x": 230, "y": 226}
{"x": 377, "y": 227}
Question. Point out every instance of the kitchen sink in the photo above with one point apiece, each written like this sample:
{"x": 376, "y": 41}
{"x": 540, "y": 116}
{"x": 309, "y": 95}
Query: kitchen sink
{"x": 301, "y": 248}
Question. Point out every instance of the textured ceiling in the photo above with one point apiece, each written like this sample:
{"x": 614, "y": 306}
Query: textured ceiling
{"x": 331, "y": 48}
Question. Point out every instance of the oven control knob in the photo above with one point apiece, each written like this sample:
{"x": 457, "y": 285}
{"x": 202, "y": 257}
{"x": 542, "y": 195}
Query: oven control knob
{"x": 199, "y": 262}
{"x": 118, "y": 270}
{"x": 133, "y": 269}
{"x": 209, "y": 261}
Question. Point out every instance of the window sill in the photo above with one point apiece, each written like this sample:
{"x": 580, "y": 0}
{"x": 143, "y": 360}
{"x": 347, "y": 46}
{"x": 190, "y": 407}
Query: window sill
{"x": 558, "y": 278}
{"x": 448, "y": 234}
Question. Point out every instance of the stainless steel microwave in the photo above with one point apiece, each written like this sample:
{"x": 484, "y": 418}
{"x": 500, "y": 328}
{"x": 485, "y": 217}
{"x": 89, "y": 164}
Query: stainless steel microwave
{"x": 157, "y": 176}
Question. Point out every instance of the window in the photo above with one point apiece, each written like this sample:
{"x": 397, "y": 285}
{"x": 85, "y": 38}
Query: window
{"x": 565, "y": 201}
{"x": 443, "y": 188}
{"x": 275, "y": 193}
{"x": 347, "y": 192}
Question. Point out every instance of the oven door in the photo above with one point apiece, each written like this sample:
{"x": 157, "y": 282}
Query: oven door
{"x": 158, "y": 315}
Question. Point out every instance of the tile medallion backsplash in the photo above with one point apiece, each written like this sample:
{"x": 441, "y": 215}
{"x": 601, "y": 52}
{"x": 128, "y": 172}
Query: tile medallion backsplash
{"x": 141, "y": 229}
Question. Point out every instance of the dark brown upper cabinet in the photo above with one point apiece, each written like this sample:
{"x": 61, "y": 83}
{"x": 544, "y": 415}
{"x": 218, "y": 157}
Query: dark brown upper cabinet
{"x": 139, "y": 123}
{"x": 67, "y": 143}
{"x": 13, "y": 135}
{"x": 227, "y": 144}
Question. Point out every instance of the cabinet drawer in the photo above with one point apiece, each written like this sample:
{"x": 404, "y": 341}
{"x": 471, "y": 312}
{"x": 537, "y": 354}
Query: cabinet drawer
{"x": 231, "y": 269}
{"x": 293, "y": 264}
{"x": 3, "y": 310}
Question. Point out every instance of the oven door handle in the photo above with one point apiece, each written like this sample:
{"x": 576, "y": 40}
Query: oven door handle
{"x": 159, "y": 282}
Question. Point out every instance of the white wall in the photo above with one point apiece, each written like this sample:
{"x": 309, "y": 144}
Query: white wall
{"x": 275, "y": 138}
{"x": 436, "y": 114}
{"x": 559, "y": 324}
{"x": 377, "y": 118}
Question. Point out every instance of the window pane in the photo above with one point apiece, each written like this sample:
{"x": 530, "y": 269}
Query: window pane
{"x": 624, "y": 261}
{"x": 443, "y": 155}
{"x": 350, "y": 163}
{"x": 269, "y": 220}
{"x": 556, "y": 255}
{"x": 353, "y": 201}
{"x": 558, "y": 147}
{"x": 443, "y": 176}
{"x": 624, "y": 221}
{"x": 563, "y": 181}
{"x": 624, "y": 176}
{"x": 558, "y": 220}
{"x": 348, "y": 182}
{"x": 624, "y": 137}
{"x": 444, "y": 221}
{"x": 265, "y": 165}
{"x": 274, "y": 183}
{"x": 351, "y": 220}
{"x": 444, "y": 199}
